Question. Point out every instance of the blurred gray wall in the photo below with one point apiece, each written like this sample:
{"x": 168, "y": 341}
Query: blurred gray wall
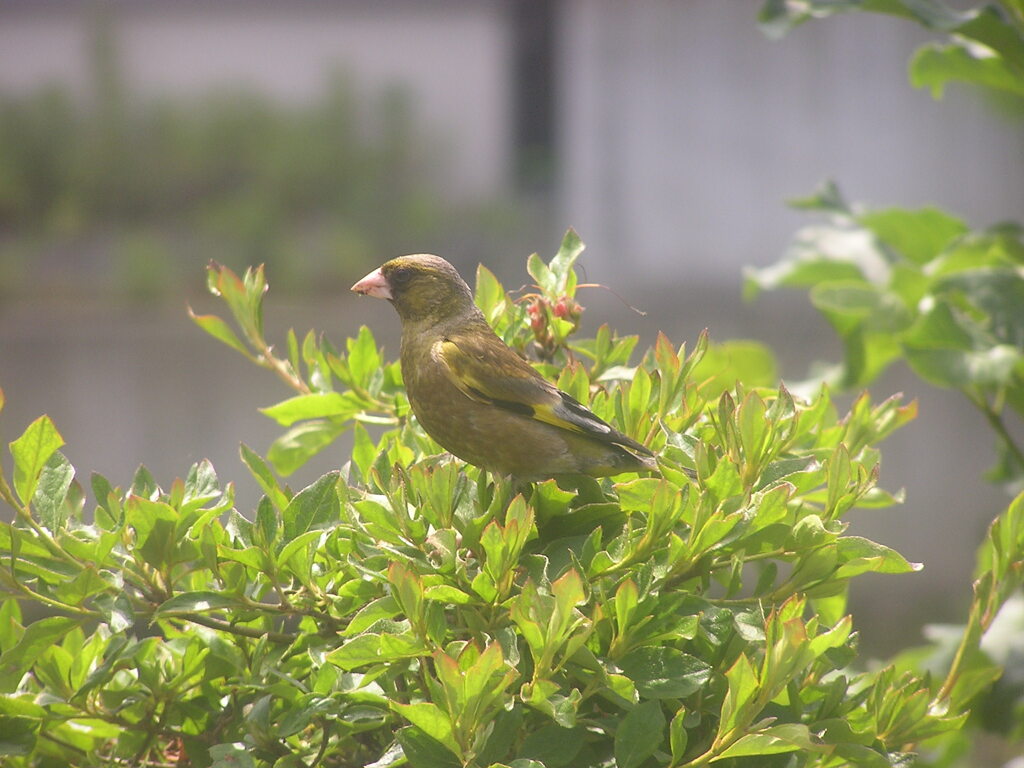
{"x": 678, "y": 131}
{"x": 684, "y": 129}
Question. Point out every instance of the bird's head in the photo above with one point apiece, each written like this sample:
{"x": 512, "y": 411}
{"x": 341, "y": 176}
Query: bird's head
{"x": 421, "y": 287}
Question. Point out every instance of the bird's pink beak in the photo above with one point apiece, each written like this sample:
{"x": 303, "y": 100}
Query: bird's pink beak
{"x": 374, "y": 285}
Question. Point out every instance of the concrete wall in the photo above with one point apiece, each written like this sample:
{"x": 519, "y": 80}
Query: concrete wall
{"x": 684, "y": 130}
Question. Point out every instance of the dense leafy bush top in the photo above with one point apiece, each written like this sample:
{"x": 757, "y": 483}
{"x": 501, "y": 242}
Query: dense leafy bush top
{"x": 408, "y": 609}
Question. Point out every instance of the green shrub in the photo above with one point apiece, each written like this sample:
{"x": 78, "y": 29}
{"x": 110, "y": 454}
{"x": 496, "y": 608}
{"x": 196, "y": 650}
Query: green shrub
{"x": 920, "y": 287}
{"x": 408, "y": 609}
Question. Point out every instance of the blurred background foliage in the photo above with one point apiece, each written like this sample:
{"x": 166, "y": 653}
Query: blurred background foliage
{"x": 123, "y": 195}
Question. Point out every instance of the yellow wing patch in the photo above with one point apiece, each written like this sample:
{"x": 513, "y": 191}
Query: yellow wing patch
{"x": 516, "y": 392}
{"x": 547, "y": 414}
{"x": 448, "y": 354}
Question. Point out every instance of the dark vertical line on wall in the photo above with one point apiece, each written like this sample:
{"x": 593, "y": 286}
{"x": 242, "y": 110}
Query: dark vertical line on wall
{"x": 613, "y": 63}
{"x": 534, "y": 33}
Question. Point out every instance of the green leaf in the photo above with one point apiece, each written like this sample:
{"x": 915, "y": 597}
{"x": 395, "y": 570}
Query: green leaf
{"x": 360, "y": 651}
{"x": 407, "y": 590}
{"x": 936, "y": 64}
{"x": 544, "y": 696}
{"x": 367, "y": 649}
{"x": 261, "y": 471}
{"x": 364, "y": 452}
{"x": 774, "y": 740}
{"x": 383, "y": 608}
{"x": 995, "y": 294}
{"x": 197, "y": 602}
{"x": 835, "y": 252}
{"x": 423, "y": 751}
{"x": 919, "y": 235}
{"x": 37, "y": 638}
{"x": 743, "y": 684}
{"x": 799, "y": 271}
{"x": 749, "y": 362}
{"x": 293, "y": 349}
{"x": 939, "y": 327}
{"x": 107, "y": 501}
{"x": 314, "y": 507}
{"x": 445, "y": 593}
{"x": 31, "y": 451}
{"x": 562, "y": 264}
{"x": 552, "y": 746}
{"x": 753, "y": 427}
{"x": 20, "y": 706}
{"x": 849, "y": 304}
{"x": 540, "y": 272}
{"x": 858, "y": 555}
{"x": 485, "y": 677}
{"x": 664, "y": 672}
{"x": 300, "y": 542}
{"x": 301, "y": 443}
{"x": 827, "y": 198}
{"x": 636, "y": 495}
{"x": 430, "y": 719}
{"x": 999, "y": 246}
{"x": 18, "y": 735}
{"x": 956, "y": 369}
{"x": 52, "y": 491}
{"x": 155, "y": 529}
{"x": 639, "y": 396}
{"x": 625, "y": 602}
{"x": 201, "y": 484}
{"x": 317, "y": 405}
{"x": 144, "y": 484}
{"x": 639, "y": 734}
{"x": 243, "y": 296}
{"x": 87, "y": 583}
{"x": 989, "y": 26}
{"x": 678, "y": 736}
{"x": 10, "y": 623}
{"x": 778, "y": 17}
{"x": 236, "y": 755}
{"x": 221, "y": 331}
{"x": 267, "y": 523}
{"x": 363, "y": 356}
{"x": 1003, "y": 546}
{"x": 251, "y": 557}
{"x": 117, "y": 612}
{"x": 568, "y": 591}
{"x": 489, "y": 295}
{"x": 508, "y": 724}
{"x": 867, "y": 355}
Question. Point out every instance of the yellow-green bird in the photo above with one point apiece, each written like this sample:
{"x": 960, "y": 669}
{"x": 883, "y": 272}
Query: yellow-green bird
{"x": 477, "y": 397}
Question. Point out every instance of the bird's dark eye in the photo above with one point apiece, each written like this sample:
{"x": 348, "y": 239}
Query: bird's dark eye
{"x": 399, "y": 277}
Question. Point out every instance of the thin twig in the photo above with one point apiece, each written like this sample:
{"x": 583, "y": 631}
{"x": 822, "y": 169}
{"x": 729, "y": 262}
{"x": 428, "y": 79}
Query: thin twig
{"x": 995, "y": 420}
{"x": 224, "y": 626}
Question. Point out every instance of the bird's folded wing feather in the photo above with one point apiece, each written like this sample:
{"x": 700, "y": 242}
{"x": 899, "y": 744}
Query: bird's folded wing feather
{"x": 486, "y": 370}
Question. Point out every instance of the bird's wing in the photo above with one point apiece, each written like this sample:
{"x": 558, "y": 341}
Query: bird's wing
{"x": 486, "y": 370}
